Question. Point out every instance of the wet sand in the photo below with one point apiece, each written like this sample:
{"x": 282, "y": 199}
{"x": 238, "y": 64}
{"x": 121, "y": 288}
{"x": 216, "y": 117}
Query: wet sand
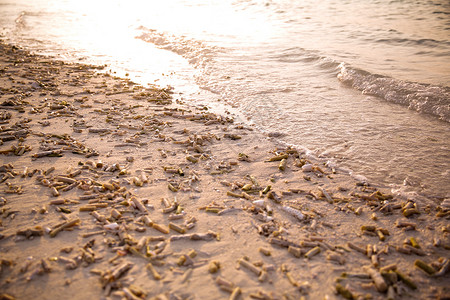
{"x": 111, "y": 190}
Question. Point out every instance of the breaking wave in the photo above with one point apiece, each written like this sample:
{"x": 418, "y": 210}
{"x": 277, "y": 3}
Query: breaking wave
{"x": 424, "y": 98}
{"x": 195, "y": 52}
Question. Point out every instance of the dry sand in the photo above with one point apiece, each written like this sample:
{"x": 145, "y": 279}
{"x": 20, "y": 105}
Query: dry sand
{"x": 110, "y": 190}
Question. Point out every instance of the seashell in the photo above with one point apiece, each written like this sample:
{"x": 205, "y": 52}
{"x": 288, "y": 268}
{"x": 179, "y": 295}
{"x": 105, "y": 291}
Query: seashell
{"x": 295, "y": 251}
{"x": 249, "y": 266}
{"x": 265, "y": 251}
{"x": 378, "y": 280}
{"x": 282, "y": 165}
{"x": 406, "y": 280}
{"x": 312, "y": 252}
{"x": 214, "y": 266}
{"x": 235, "y": 294}
{"x": 294, "y": 212}
{"x": 259, "y": 203}
{"x": 327, "y": 195}
{"x": 155, "y": 273}
{"x": 111, "y": 226}
{"x": 307, "y": 168}
{"x": 63, "y": 226}
{"x": 177, "y": 228}
{"x": 424, "y": 267}
{"x": 54, "y": 192}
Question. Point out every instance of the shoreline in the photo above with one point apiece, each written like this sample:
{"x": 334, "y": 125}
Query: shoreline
{"x": 113, "y": 190}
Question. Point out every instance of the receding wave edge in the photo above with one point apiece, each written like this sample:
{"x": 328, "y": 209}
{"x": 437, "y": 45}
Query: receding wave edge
{"x": 424, "y": 98}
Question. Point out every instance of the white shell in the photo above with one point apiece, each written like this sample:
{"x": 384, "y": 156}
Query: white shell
{"x": 294, "y": 212}
{"x": 259, "y": 203}
{"x": 111, "y": 226}
{"x": 307, "y": 168}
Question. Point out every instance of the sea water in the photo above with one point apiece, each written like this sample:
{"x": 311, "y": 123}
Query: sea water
{"x": 361, "y": 84}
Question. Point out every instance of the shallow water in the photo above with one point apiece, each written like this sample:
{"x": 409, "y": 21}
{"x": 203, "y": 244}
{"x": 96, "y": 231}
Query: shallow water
{"x": 361, "y": 83}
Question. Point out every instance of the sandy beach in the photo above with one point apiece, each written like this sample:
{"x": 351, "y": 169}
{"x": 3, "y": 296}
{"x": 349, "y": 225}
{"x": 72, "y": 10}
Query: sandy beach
{"x": 112, "y": 190}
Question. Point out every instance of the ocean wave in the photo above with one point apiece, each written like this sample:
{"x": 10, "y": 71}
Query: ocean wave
{"x": 302, "y": 55}
{"x": 424, "y": 98}
{"x": 414, "y": 42}
{"x": 294, "y": 55}
{"x": 195, "y": 52}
